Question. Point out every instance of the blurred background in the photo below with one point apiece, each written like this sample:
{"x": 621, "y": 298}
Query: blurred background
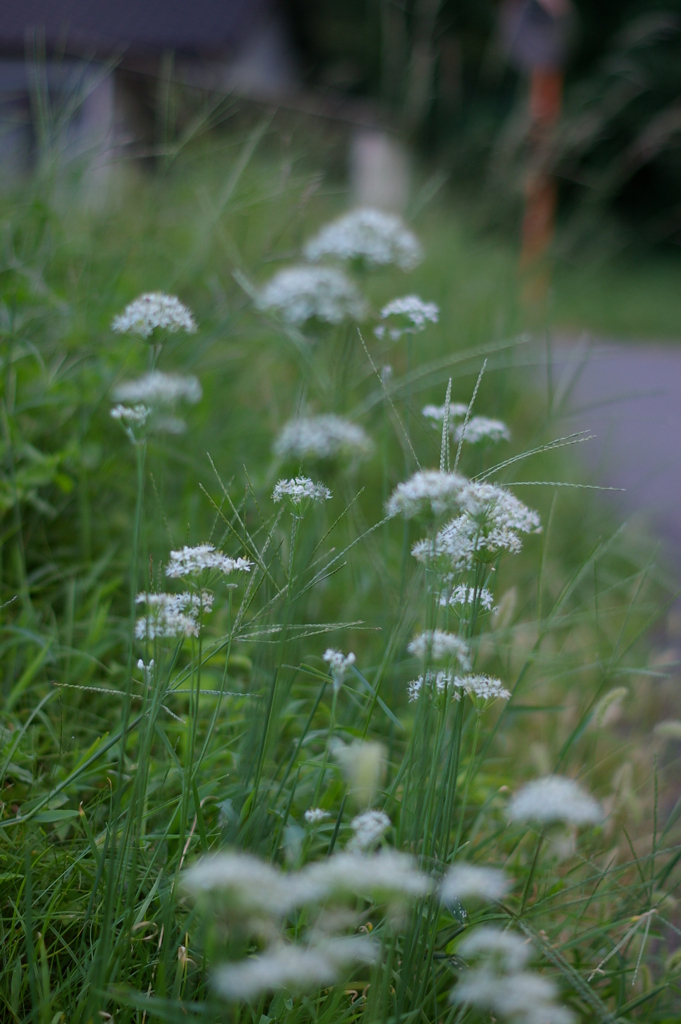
{"x": 546, "y": 133}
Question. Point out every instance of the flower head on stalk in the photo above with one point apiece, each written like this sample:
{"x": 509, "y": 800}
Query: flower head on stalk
{"x": 154, "y": 311}
{"x": 171, "y": 615}
{"x": 299, "y": 294}
{"x": 315, "y": 815}
{"x": 407, "y": 315}
{"x": 436, "y": 413}
{"x": 369, "y": 828}
{"x": 367, "y": 236}
{"x": 439, "y": 645}
{"x": 428, "y": 491}
{"x": 192, "y": 561}
{"x": 473, "y": 882}
{"x": 154, "y": 396}
{"x": 322, "y": 437}
{"x": 133, "y": 419}
{"x": 339, "y": 664}
{"x": 299, "y": 494}
{"x": 481, "y": 430}
{"x": 552, "y": 799}
{"x": 464, "y": 596}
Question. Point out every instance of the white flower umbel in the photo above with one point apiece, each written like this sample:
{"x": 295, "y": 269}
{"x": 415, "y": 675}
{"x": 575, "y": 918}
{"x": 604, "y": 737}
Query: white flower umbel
{"x": 244, "y": 885}
{"x": 315, "y": 815}
{"x": 369, "y": 829}
{"x": 429, "y": 490}
{"x": 339, "y": 664}
{"x": 191, "y": 561}
{"x": 484, "y": 687}
{"x": 160, "y": 389}
{"x": 524, "y": 998}
{"x": 552, "y": 799}
{"x": 437, "y": 683}
{"x": 438, "y": 645}
{"x": 171, "y": 615}
{"x": 463, "y": 595}
{"x": 133, "y": 420}
{"x": 385, "y": 877}
{"x": 322, "y": 437}
{"x": 436, "y": 413}
{"x": 292, "y": 968}
{"x": 299, "y": 294}
{"x": 481, "y": 430}
{"x": 505, "y": 951}
{"x": 368, "y": 236}
{"x": 454, "y": 546}
{"x": 299, "y": 495}
{"x": 151, "y": 311}
{"x": 471, "y": 881}
{"x": 407, "y": 315}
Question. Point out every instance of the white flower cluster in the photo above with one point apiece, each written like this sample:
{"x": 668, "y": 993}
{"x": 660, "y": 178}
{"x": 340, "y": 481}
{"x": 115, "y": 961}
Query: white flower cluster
{"x": 293, "y": 968}
{"x": 438, "y": 682}
{"x": 492, "y": 520}
{"x": 339, "y": 664}
{"x": 436, "y": 413}
{"x": 478, "y": 430}
{"x": 472, "y": 881}
{"x": 481, "y": 430}
{"x": 300, "y": 494}
{"x": 465, "y": 595}
{"x": 157, "y": 388}
{"x": 438, "y": 645}
{"x": 501, "y": 985}
{"x": 249, "y": 888}
{"x": 369, "y": 829}
{"x": 407, "y": 315}
{"x": 315, "y": 814}
{"x": 131, "y": 416}
{"x": 555, "y": 798}
{"x": 303, "y": 293}
{"x": 190, "y": 561}
{"x": 151, "y": 311}
{"x": 372, "y": 236}
{"x": 428, "y": 490}
{"x": 482, "y": 686}
{"x": 171, "y": 615}
{"x": 322, "y": 437}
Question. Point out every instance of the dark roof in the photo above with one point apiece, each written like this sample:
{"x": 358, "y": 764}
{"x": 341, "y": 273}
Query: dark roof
{"x": 135, "y": 26}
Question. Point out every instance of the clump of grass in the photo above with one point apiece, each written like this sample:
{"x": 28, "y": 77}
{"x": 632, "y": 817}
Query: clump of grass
{"x": 323, "y": 725}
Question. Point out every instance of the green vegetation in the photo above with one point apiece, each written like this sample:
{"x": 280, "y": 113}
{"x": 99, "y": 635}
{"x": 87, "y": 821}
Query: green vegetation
{"x": 117, "y": 776}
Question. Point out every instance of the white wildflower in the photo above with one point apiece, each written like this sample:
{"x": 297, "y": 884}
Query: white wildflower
{"x": 454, "y": 546}
{"x": 482, "y": 686}
{"x": 471, "y": 881}
{"x": 369, "y": 829}
{"x": 555, "y": 798}
{"x": 438, "y": 645}
{"x": 322, "y": 437}
{"x": 438, "y": 683}
{"x": 506, "y": 951}
{"x": 465, "y": 595}
{"x": 371, "y": 236}
{"x": 300, "y": 494}
{"x": 407, "y": 315}
{"x": 303, "y": 293}
{"x": 436, "y": 413}
{"x": 481, "y": 429}
{"x": 362, "y": 763}
{"x": 293, "y": 968}
{"x": 157, "y": 388}
{"x": 512, "y": 995}
{"x": 498, "y": 511}
{"x": 131, "y": 416}
{"x": 427, "y": 490}
{"x": 245, "y": 885}
{"x": 171, "y": 615}
{"x": 190, "y": 561}
{"x": 385, "y": 876}
{"x": 154, "y": 310}
{"x": 339, "y": 664}
{"x": 315, "y": 814}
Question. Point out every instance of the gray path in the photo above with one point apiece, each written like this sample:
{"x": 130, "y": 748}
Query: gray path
{"x": 629, "y": 395}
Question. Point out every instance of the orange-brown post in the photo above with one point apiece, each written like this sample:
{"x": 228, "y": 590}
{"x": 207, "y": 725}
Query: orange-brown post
{"x": 546, "y": 93}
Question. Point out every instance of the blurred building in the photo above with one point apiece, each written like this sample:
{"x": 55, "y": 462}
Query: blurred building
{"x": 91, "y": 68}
